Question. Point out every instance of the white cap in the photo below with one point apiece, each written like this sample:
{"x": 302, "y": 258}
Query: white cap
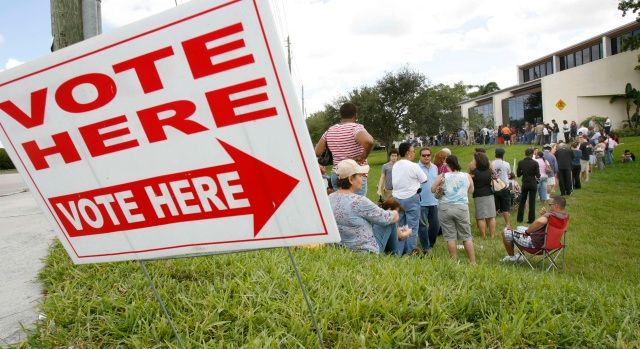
{"x": 347, "y": 168}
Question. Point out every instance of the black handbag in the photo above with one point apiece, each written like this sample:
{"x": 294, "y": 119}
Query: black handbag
{"x": 326, "y": 158}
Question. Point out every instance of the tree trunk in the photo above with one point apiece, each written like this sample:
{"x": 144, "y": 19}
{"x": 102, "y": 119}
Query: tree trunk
{"x": 66, "y": 23}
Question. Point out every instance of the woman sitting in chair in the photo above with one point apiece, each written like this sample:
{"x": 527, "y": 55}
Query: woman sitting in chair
{"x": 534, "y": 235}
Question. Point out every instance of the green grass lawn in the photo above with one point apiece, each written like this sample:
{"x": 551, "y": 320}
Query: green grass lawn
{"x": 252, "y": 299}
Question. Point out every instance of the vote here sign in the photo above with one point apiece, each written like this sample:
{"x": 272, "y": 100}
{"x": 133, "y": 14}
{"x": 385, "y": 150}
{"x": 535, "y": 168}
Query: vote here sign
{"x": 179, "y": 134}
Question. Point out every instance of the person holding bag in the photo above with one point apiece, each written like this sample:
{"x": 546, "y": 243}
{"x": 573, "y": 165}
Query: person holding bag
{"x": 453, "y": 208}
{"x": 502, "y": 198}
{"x": 346, "y": 140}
{"x": 483, "y": 199}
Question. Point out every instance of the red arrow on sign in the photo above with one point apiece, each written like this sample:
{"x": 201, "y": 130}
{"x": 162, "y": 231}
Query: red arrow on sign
{"x": 247, "y": 186}
{"x": 267, "y": 186}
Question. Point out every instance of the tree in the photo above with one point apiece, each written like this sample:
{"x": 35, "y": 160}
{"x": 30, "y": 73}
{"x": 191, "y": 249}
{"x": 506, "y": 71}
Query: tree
{"x": 630, "y": 96}
{"x": 437, "y": 109}
{"x": 398, "y": 95}
{"x": 629, "y": 5}
{"x": 483, "y": 89}
{"x": 317, "y": 124}
{"x": 5, "y": 161}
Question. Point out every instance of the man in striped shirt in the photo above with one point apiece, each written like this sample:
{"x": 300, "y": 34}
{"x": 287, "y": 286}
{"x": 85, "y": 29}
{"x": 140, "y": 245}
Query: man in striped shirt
{"x": 347, "y": 140}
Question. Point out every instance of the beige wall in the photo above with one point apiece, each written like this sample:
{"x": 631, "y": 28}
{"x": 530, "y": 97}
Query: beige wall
{"x": 587, "y": 89}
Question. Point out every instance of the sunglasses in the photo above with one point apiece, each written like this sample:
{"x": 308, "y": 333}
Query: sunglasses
{"x": 425, "y": 155}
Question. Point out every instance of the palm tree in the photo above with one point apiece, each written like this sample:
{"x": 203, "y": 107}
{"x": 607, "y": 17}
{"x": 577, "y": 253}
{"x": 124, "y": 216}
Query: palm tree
{"x": 483, "y": 89}
{"x": 630, "y": 96}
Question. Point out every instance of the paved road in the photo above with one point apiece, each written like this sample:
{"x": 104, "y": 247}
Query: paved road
{"x": 25, "y": 236}
{"x": 10, "y": 183}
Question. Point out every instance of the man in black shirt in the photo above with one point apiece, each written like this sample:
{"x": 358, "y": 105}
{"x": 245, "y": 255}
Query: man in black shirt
{"x": 585, "y": 166}
{"x": 564, "y": 155}
{"x": 529, "y": 170}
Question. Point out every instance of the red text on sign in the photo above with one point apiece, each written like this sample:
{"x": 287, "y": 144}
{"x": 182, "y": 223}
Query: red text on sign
{"x": 202, "y": 55}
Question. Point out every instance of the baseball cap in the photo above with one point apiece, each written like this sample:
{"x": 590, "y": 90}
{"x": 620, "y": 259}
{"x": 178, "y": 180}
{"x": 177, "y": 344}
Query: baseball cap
{"x": 546, "y": 146}
{"x": 348, "y": 167}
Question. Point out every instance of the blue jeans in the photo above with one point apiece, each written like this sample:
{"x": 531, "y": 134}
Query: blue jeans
{"x": 410, "y": 216}
{"x": 428, "y": 217}
{"x": 542, "y": 189}
{"x": 387, "y": 237}
{"x": 362, "y": 191}
{"x": 608, "y": 157}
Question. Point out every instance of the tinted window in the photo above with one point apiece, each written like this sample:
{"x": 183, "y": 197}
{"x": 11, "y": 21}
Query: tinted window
{"x": 614, "y": 46}
{"x": 549, "y": 67}
{"x": 525, "y": 75}
{"x": 570, "y": 61}
{"x": 586, "y": 55}
{"x": 536, "y": 72}
{"x": 578, "y": 59}
{"x": 595, "y": 52}
{"x": 543, "y": 70}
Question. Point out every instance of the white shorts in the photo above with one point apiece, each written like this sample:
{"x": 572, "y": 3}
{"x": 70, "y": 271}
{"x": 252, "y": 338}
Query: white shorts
{"x": 551, "y": 181}
{"x": 592, "y": 159}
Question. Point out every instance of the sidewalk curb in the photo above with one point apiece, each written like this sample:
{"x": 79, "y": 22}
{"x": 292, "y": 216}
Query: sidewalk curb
{"x": 15, "y": 192}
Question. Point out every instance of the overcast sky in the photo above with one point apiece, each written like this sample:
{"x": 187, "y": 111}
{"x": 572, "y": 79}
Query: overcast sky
{"x": 341, "y": 44}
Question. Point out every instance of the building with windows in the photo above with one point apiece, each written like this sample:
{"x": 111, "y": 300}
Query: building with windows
{"x": 571, "y": 84}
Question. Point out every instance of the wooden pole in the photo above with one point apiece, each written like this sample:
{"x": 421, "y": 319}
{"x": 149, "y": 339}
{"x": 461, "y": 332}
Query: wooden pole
{"x": 66, "y": 23}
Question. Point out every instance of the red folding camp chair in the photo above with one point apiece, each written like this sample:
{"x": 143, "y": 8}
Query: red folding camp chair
{"x": 554, "y": 244}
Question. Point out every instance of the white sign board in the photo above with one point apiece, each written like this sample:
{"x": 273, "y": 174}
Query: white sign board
{"x": 180, "y": 134}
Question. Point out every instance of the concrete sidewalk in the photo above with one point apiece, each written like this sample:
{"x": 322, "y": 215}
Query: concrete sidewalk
{"x": 25, "y": 236}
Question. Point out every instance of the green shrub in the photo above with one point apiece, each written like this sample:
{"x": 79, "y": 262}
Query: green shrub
{"x": 599, "y": 120}
{"x": 5, "y": 161}
{"x": 627, "y": 132}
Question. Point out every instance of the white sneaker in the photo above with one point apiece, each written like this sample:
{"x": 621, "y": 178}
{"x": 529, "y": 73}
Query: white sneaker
{"x": 507, "y": 258}
{"x": 518, "y": 257}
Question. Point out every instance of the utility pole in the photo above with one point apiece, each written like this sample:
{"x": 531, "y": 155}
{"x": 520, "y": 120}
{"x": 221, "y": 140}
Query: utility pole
{"x": 73, "y": 21}
{"x": 289, "y": 53}
{"x": 91, "y": 18}
{"x": 66, "y": 23}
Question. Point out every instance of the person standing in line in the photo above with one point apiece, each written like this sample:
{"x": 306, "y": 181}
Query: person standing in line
{"x": 429, "y": 224}
{"x": 550, "y": 158}
{"x": 483, "y": 200}
{"x": 529, "y": 170}
{"x": 587, "y": 151}
{"x": 440, "y": 162}
{"x": 506, "y": 135}
{"x": 611, "y": 145}
{"x": 407, "y": 178}
{"x": 544, "y": 168}
{"x": 573, "y": 130}
{"x": 462, "y": 137}
{"x": 564, "y": 157}
{"x": 576, "y": 164}
{"x": 555, "y": 129}
{"x": 385, "y": 184}
{"x": 583, "y": 131}
{"x": 539, "y": 132}
{"x": 503, "y": 197}
{"x": 566, "y": 130}
{"x": 347, "y": 140}
{"x": 453, "y": 208}
{"x": 599, "y": 150}
{"x": 607, "y": 126}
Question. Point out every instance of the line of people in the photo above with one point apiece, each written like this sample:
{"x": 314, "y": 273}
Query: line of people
{"x": 420, "y": 200}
